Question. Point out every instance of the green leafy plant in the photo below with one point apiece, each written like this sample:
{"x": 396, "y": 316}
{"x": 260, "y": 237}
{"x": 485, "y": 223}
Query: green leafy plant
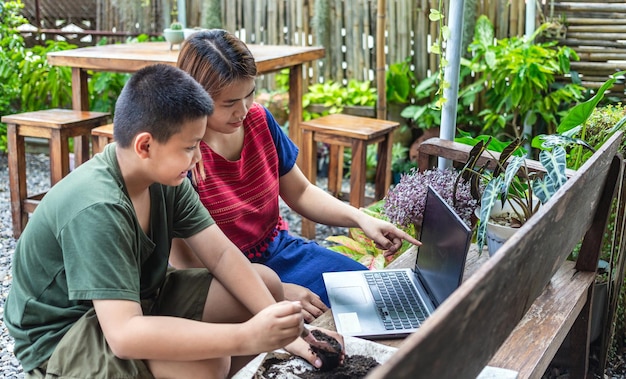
{"x": 519, "y": 77}
{"x": 400, "y": 80}
{"x": 359, "y": 247}
{"x": 585, "y": 128}
{"x": 512, "y": 182}
{"x": 425, "y": 113}
{"x": 334, "y": 97}
{"x": 400, "y": 163}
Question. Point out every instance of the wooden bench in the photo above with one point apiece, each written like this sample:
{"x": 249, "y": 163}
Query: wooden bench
{"x": 516, "y": 309}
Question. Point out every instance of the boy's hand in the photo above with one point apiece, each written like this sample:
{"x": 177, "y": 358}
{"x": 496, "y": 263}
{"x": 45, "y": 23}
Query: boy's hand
{"x": 274, "y": 327}
{"x": 302, "y": 349}
{"x": 312, "y": 305}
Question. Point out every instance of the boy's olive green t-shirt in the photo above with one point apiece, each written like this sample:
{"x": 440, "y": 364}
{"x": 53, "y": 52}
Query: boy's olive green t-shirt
{"x": 83, "y": 242}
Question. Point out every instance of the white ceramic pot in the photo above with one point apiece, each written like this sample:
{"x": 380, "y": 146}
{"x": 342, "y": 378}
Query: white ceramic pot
{"x": 497, "y": 234}
{"x": 173, "y": 36}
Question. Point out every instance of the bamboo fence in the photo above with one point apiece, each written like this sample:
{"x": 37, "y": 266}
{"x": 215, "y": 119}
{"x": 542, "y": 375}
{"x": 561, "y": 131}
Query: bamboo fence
{"x": 595, "y": 29}
{"x": 348, "y": 33}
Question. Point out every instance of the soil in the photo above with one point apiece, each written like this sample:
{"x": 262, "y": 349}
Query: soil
{"x": 354, "y": 367}
{"x": 330, "y": 358}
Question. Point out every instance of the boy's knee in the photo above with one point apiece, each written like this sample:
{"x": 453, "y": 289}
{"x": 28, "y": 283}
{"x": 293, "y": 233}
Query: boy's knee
{"x": 217, "y": 368}
{"x": 271, "y": 280}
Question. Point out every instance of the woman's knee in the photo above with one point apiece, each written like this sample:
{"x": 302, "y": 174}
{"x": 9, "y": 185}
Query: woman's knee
{"x": 271, "y": 280}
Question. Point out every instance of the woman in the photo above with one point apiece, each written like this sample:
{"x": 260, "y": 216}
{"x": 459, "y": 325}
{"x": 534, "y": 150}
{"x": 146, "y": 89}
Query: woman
{"x": 247, "y": 163}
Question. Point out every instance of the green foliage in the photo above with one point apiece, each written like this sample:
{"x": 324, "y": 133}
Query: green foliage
{"x": 586, "y": 127}
{"x": 335, "y": 96}
{"x": 400, "y": 80}
{"x": 29, "y": 83}
{"x": 424, "y": 113}
{"x": 11, "y": 44}
{"x": 400, "y": 162}
{"x": 511, "y": 181}
{"x": 519, "y": 76}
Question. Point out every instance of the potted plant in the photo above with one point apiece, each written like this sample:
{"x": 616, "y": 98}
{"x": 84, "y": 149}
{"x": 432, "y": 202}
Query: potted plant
{"x": 404, "y": 204}
{"x": 174, "y": 34}
{"x": 511, "y": 188}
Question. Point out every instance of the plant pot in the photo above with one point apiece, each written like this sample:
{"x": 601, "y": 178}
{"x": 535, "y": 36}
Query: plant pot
{"x": 174, "y": 36}
{"x": 497, "y": 234}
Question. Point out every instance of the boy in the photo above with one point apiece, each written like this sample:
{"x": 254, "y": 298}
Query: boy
{"x": 92, "y": 295}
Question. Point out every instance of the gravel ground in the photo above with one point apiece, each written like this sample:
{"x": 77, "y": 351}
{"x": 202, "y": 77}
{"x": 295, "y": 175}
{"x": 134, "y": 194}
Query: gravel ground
{"x": 38, "y": 181}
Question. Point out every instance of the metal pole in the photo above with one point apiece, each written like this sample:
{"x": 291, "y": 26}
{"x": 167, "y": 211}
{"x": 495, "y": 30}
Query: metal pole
{"x": 381, "y": 107}
{"x": 451, "y": 75}
{"x": 182, "y": 12}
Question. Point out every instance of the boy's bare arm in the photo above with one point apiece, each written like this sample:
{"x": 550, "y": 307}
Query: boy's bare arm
{"x": 131, "y": 335}
{"x": 231, "y": 268}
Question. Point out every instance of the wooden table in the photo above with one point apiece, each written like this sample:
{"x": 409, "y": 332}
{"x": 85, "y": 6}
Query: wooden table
{"x": 131, "y": 57}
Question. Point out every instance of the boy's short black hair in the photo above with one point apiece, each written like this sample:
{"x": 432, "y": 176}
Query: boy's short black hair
{"x": 158, "y": 99}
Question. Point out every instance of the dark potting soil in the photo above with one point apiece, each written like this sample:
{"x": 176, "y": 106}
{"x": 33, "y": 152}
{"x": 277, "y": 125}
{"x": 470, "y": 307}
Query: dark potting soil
{"x": 330, "y": 358}
{"x": 354, "y": 367}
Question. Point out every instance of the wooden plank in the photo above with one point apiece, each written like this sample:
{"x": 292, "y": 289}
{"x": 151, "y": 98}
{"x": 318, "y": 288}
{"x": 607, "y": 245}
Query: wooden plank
{"x": 510, "y": 280}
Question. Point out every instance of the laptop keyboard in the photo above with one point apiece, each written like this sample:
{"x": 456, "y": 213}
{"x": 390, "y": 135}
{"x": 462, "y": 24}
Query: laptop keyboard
{"x": 398, "y": 303}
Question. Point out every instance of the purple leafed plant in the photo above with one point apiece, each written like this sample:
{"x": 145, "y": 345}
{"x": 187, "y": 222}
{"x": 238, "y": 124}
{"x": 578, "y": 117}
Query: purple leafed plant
{"x": 404, "y": 204}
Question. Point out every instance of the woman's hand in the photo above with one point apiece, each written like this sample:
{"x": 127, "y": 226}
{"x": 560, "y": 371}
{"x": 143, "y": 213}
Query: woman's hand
{"x": 312, "y": 305}
{"x": 385, "y": 235}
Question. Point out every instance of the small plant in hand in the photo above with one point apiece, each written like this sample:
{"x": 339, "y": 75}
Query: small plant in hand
{"x": 404, "y": 204}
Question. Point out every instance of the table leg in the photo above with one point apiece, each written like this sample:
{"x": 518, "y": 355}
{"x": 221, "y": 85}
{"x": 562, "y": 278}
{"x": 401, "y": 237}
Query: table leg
{"x": 309, "y": 169}
{"x": 80, "y": 102}
{"x": 383, "y": 169}
{"x": 59, "y": 157}
{"x": 358, "y": 172}
{"x": 295, "y": 106}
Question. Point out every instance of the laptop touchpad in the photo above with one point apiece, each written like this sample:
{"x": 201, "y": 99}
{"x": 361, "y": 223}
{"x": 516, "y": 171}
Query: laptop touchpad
{"x": 350, "y": 295}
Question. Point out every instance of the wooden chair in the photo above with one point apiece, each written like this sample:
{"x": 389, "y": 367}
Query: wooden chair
{"x": 100, "y": 137}
{"x": 58, "y": 126}
{"x": 339, "y": 131}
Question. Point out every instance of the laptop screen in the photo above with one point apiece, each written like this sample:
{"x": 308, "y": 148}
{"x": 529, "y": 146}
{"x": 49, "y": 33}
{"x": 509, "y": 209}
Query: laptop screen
{"x": 445, "y": 240}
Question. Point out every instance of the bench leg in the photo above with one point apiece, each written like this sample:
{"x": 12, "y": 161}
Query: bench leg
{"x": 579, "y": 340}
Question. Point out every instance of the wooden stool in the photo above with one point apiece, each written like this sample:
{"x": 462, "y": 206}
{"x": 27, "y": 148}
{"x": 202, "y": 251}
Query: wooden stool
{"x": 339, "y": 131}
{"x": 58, "y": 126}
{"x": 100, "y": 137}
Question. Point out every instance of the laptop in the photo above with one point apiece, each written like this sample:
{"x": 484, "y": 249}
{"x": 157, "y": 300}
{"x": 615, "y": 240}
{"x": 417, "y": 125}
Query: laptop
{"x": 357, "y": 298}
